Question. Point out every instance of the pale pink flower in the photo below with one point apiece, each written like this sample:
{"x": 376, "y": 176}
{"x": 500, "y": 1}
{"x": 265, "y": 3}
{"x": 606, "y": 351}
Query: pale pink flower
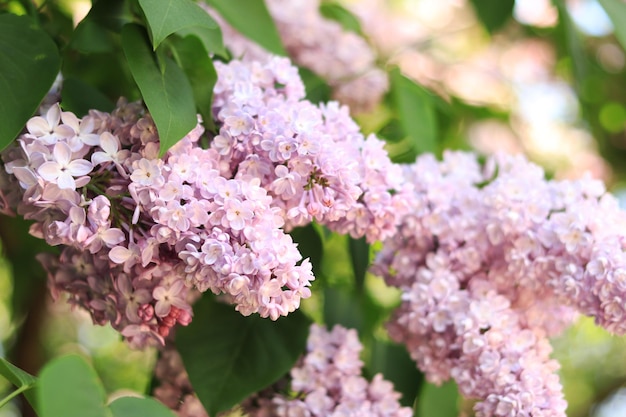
{"x": 62, "y": 169}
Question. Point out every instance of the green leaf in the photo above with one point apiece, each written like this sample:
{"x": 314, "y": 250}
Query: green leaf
{"x": 165, "y": 89}
{"x": 80, "y": 97}
{"x": 616, "y": 9}
{"x": 29, "y": 64}
{"x": 21, "y": 379}
{"x": 251, "y": 19}
{"x": 15, "y": 375}
{"x": 69, "y": 387}
{"x": 139, "y": 407}
{"x": 165, "y": 17}
{"x": 195, "y": 61}
{"x": 229, "y": 356}
{"x": 310, "y": 245}
{"x": 317, "y": 90}
{"x": 415, "y": 111}
{"x": 211, "y": 39}
{"x": 493, "y": 13}
{"x": 343, "y": 307}
{"x": 341, "y": 15}
{"x": 394, "y": 362}
{"x": 360, "y": 257}
{"x": 438, "y": 401}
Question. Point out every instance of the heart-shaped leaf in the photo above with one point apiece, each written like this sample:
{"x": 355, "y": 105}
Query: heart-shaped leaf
{"x": 229, "y": 356}
{"x": 69, "y": 387}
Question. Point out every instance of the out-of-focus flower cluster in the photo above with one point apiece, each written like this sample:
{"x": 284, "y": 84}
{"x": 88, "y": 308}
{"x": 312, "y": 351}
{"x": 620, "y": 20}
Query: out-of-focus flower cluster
{"x": 325, "y": 382}
{"x": 342, "y": 58}
{"x": 492, "y": 260}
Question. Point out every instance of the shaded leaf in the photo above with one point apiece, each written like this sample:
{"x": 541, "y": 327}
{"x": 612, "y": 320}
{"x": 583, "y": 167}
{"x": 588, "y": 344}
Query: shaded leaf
{"x": 437, "y": 401}
{"x": 360, "y": 257}
{"x": 493, "y": 13}
{"x": 394, "y": 362}
{"x": 29, "y": 64}
{"x": 317, "y": 90}
{"x": 139, "y": 407}
{"x": 211, "y": 39}
{"x": 80, "y": 97}
{"x": 195, "y": 61}
{"x": 165, "y": 17}
{"x": 309, "y": 244}
{"x": 415, "y": 111}
{"x": 246, "y": 354}
{"x": 343, "y": 307}
{"x": 69, "y": 387}
{"x": 165, "y": 89}
{"x": 251, "y": 19}
{"x": 341, "y": 15}
{"x": 616, "y": 10}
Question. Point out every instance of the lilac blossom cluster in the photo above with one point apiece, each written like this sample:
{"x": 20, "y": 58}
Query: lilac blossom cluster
{"x": 494, "y": 259}
{"x": 343, "y": 58}
{"x": 138, "y": 231}
{"x": 312, "y": 160}
{"x": 325, "y": 382}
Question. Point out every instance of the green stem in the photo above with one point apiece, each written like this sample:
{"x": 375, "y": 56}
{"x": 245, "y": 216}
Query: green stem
{"x": 14, "y": 394}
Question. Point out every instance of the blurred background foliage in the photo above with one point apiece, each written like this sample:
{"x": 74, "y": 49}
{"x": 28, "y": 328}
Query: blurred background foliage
{"x": 546, "y": 78}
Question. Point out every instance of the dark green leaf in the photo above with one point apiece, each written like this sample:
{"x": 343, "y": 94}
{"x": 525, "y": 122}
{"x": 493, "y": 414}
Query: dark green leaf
{"x": 341, "y": 15}
{"x": 438, "y": 401}
{"x": 229, "y": 356}
{"x": 195, "y": 61}
{"x": 29, "y": 64}
{"x": 169, "y": 16}
{"x": 415, "y": 111}
{"x": 111, "y": 14}
{"x": 94, "y": 34}
{"x": 69, "y": 387}
{"x": 616, "y": 9}
{"x": 165, "y": 90}
{"x": 139, "y": 407}
{"x": 360, "y": 256}
{"x": 251, "y": 18}
{"x": 309, "y": 244}
{"x": 90, "y": 37}
{"x": 493, "y": 13}
{"x": 211, "y": 39}
{"x": 317, "y": 90}
{"x": 394, "y": 362}
{"x": 343, "y": 307}
{"x": 80, "y": 97}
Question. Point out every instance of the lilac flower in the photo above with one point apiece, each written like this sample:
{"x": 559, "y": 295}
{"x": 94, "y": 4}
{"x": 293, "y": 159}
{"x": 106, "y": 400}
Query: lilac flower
{"x": 62, "y": 169}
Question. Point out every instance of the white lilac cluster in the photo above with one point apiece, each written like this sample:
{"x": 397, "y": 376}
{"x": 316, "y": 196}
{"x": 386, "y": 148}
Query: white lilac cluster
{"x": 491, "y": 261}
{"x": 312, "y": 159}
{"x": 342, "y": 58}
{"x": 325, "y": 382}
